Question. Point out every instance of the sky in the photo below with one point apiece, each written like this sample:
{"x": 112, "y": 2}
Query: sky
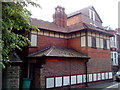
{"x": 107, "y": 9}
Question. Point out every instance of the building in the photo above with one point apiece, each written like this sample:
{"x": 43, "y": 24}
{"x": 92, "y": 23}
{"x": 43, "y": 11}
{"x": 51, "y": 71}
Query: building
{"x": 118, "y": 45}
{"x": 113, "y": 48}
{"x": 72, "y": 51}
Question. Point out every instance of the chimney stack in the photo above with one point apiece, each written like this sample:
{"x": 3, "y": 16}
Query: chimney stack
{"x": 60, "y": 18}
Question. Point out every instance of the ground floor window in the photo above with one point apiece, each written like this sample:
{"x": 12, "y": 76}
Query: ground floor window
{"x": 114, "y": 57}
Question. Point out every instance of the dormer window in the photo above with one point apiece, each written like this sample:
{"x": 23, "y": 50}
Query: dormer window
{"x": 92, "y": 16}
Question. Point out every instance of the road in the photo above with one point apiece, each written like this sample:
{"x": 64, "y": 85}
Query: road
{"x": 115, "y": 86}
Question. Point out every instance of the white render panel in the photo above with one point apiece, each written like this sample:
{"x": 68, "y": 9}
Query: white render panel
{"x": 73, "y": 79}
{"x": 99, "y": 76}
{"x": 94, "y": 77}
{"x": 49, "y": 82}
{"x": 79, "y": 78}
{"x": 110, "y": 75}
{"x": 106, "y": 75}
{"x": 103, "y": 76}
{"x": 58, "y": 81}
{"x": 84, "y": 78}
{"x": 90, "y": 77}
{"x": 66, "y": 80}
{"x": 51, "y": 34}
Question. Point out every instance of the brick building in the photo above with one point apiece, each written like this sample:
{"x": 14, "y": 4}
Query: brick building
{"x": 72, "y": 51}
{"x": 118, "y": 45}
{"x": 115, "y": 49}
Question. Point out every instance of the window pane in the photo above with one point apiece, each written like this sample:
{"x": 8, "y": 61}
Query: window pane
{"x": 89, "y": 41}
{"x": 93, "y": 42}
{"x": 101, "y": 43}
{"x": 33, "y": 40}
{"x": 104, "y": 44}
{"x": 83, "y": 41}
{"x": 97, "y": 43}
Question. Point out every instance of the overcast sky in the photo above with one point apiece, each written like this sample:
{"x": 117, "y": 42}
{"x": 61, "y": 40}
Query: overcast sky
{"x": 107, "y": 9}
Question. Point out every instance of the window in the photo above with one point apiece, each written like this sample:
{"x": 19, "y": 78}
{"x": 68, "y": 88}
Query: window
{"x": 83, "y": 41}
{"x": 89, "y": 41}
{"x": 101, "y": 43}
{"x": 97, "y": 42}
{"x": 105, "y": 44}
{"x": 118, "y": 44}
{"x": 33, "y": 40}
{"x": 93, "y": 42}
{"x": 112, "y": 42}
{"x": 114, "y": 57}
{"x": 92, "y": 16}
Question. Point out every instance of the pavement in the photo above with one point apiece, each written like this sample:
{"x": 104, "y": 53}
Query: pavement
{"x": 107, "y": 85}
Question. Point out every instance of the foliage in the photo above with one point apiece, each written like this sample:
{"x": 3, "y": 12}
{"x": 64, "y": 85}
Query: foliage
{"x": 15, "y": 26}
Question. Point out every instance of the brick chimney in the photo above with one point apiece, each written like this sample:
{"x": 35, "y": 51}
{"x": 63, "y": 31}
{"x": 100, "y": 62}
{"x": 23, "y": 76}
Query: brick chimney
{"x": 60, "y": 18}
{"x": 117, "y": 30}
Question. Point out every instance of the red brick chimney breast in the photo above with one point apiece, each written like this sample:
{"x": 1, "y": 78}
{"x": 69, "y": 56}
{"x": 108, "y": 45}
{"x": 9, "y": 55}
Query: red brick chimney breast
{"x": 60, "y": 18}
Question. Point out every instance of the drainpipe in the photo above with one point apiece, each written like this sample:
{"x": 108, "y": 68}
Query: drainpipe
{"x": 86, "y": 84}
{"x": 28, "y": 70}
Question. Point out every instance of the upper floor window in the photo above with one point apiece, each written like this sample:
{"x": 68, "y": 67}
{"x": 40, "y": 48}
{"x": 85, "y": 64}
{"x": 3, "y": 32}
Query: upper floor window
{"x": 93, "y": 42}
{"x": 112, "y": 42}
{"x": 118, "y": 44}
{"x": 92, "y": 16}
{"x": 33, "y": 40}
{"x": 104, "y": 44}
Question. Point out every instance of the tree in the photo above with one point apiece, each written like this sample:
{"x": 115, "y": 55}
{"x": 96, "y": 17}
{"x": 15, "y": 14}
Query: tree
{"x": 15, "y": 24}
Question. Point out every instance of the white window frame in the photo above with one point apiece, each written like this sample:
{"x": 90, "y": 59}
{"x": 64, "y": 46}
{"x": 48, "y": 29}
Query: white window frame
{"x": 113, "y": 43}
{"x": 114, "y": 59}
{"x": 33, "y": 40}
{"x": 92, "y": 17}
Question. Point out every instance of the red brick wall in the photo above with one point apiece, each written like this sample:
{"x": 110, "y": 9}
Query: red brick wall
{"x": 44, "y": 42}
{"x": 76, "y": 44}
{"x": 100, "y": 60}
{"x": 63, "y": 66}
{"x": 73, "y": 20}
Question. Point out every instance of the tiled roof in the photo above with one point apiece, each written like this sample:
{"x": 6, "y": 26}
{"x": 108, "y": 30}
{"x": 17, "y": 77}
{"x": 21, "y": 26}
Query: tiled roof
{"x": 73, "y": 28}
{"x": 82, "y": 11}
{"x": 58, "y": 52}
{"x": 78, "y": 12}
{"x": 48, "y": 25}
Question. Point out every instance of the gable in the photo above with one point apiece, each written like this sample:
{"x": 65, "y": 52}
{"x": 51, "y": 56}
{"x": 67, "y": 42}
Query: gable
{"x": 85, "y": 13}
{"x": 96, "y": 14}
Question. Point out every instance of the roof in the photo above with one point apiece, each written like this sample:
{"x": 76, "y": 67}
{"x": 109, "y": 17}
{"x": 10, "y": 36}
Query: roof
{"x": 82, "y": 11}
{"x": 58, "y": 52}
{"x": 73, "y": 28}
{"x": 47, "y": 25}
{"x": 15, "y": 57}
